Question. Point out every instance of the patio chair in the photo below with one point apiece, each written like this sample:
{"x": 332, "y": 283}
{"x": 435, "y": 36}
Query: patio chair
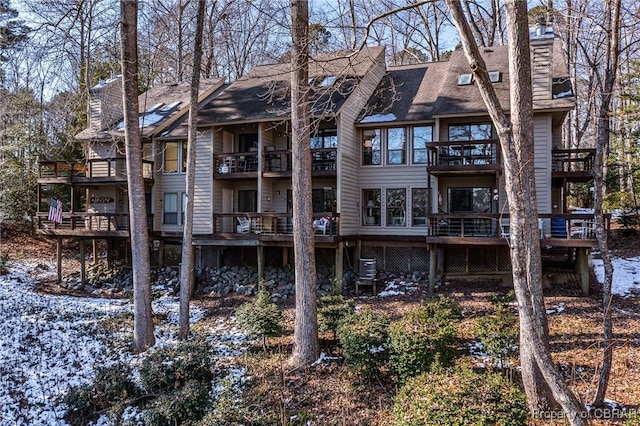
{"x": 243, "y": 225}
{"x": 321, "y": 224}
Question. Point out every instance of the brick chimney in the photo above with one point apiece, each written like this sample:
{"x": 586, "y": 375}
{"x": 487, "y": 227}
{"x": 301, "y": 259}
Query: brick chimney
{"x": 105, "y": 103}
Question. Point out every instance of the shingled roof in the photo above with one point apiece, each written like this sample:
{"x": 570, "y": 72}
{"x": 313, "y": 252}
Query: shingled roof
{"x": 426, "y": 91}
{"x": 159, "y": 107}
{"x": 264, "y": 93}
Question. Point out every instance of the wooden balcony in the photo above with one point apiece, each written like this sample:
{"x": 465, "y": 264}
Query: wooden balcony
{"x": 86, "y": 225}
{"x": 271, "y": 226}
{"x": 275, "y": 164}
{"x": 94, "y": 171}
{"x": 463, "y": 157}
{"x": 563, "y": 230}
{"x": 573, "y": 165}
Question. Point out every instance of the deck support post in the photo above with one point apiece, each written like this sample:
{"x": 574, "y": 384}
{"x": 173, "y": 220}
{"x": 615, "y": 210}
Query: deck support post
{"x": 339, "y": 267}
{"x": 95, "y": 251}
{"x": 83, "y": 269}
{"x": 260, "y": 249}
{"x": 285, "y": 256}
{"x": 582, "y": 263}
{"x": 109, "y": 253}
{"x": 432, "y": 268}
{"x": 59, "y": 259}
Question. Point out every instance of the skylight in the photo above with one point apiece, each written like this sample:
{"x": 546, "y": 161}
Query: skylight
{"x": 327, "y": 81}
{"x": 465, "y": 79}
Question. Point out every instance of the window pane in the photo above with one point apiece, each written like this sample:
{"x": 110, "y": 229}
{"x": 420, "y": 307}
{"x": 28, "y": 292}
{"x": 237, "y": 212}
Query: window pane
{"x": 171, "y": 157}
{"x": 396, "y": 207}
{"x": 171, "y": 208}
{"x": 184, "y": 156}
{"x": 395, "y": 146}
{"x": 248, "y": 201}
{"x": 480, "y": 131}
{"x": 421, "y": 137}
{"x": 371, "y": 147}
{"x": 419, "y": 206}
{"x": 475, "y": 200}
{"x": 371, "y": 207}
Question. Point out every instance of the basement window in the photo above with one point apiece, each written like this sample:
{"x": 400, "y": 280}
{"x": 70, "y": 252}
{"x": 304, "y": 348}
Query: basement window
{"x": 495, "y": 76}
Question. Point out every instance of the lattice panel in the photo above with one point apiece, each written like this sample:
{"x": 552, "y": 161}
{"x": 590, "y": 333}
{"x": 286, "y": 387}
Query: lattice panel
{"x": 455, "y": 260}
{"x": 482, "y": 260}
{"x": 504, "y": 259}
{"x": 419, "y": 259}
{"x": 397, "y": 259}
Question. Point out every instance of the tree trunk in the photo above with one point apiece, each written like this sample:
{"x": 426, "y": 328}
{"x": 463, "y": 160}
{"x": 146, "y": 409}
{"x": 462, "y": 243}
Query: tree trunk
{"x": 186, "y": 271}
{"x": 516, "y": 141}
{"x": 602, "y": 145}
{"x": 305, "y": 336}
{"x": 143, "y": 337}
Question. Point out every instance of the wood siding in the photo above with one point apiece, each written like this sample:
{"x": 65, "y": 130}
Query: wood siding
{"x": 348, "y": 159}
{"x": 203, "y": 185}
{"x": 542, "y": 155}
{"x": 541, "y": 64}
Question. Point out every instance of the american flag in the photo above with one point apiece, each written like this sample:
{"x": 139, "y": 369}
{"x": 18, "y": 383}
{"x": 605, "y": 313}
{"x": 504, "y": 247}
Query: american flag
{"x": 55, "y": 210}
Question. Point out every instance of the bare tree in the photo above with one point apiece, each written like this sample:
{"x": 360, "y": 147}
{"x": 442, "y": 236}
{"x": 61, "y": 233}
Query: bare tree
{"x": 516, "y": 141}
{"x": 186, "y": 272}
{"x": 305, "y": 337}
{"x": 608, "y": 82}
{"x": 143, "y": 337}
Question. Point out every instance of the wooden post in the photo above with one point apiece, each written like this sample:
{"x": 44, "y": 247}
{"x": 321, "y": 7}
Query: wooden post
{"x": 94, "y": 248}
{"x": 109, "y": 253}
{"x": 260, "y": 249}
{"x": 582, "y": 260}
{"x": 285, "y": 256}
{"x": 339, "y": 266}
{"x": 432, "y": 268}
{"x": 59, "y": 258}
{"x": 83, "y": 270}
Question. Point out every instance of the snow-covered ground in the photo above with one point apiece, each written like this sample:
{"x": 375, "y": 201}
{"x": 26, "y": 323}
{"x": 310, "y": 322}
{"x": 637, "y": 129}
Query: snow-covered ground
{"x": 626, "y": 275}
{"x": 49, "y": 343}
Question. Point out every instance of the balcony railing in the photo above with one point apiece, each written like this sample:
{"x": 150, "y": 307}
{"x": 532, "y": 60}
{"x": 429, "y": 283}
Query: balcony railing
{"x": 573, "y": 160}
{"x": 273, "y": 161}
{"x": 474, "y": 225}
{"x": 256, "y": 224}
{"x": 96, "y": 168}
{"x": 90, "y": 222}
{"x": 467, "y": 153}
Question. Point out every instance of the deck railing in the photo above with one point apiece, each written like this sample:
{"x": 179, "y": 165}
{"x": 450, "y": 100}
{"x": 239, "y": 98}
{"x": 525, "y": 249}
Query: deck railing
{"x": 90, "y": 221}
{"x": 273, "y": 160}
{"x": 472, "y": 225}
{"x": 573, "y": 160}
{"x": 271, "y": 223}
{"x": 115, "y": 168}
{"x": 467, "y": 153}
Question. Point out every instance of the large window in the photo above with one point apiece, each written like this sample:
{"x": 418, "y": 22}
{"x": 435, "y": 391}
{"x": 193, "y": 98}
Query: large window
{"x": 246, "y": 141}
{"x": 371, "y": 207}
{"x": 396, "y": 207}
{"x": 419, "y": 206}
{"x": 469, "y": 132}
{"x": 248, "y": 201}
{"x": 422, "y": 135}
{"x": 323, "y": 200}
{"x": 175, "y": 157}
{"x": 396, "y": 142}
{"x": 170, "y": 208}
{"x": 324, "y": 138}
{"x": 470, "y": 200}
{"x": 371, "y": 147}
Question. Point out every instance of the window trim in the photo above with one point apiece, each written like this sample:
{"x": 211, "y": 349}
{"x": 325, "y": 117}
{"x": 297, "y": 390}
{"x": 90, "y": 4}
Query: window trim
{"x": 165, "y": 211}
{"x": 376, "y": 132}
{"x": 413, "y": 144}
{"x": 402, "y": 150}
{"x": 181, "y": 157}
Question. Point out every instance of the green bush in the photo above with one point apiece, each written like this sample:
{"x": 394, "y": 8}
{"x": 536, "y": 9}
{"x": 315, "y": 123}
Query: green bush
{"x": 364, "y": 336}
{"x": 498, "y": 334}
{"x": 111, "y": 390}
{"x": 462, "y": 397}
{"x": 422, "y": 337}
{"x": 261, "y": 318}
{"x": 331, "y": 310}
{"x": 171, "y": 367}
{"x": 186, "y": 404}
